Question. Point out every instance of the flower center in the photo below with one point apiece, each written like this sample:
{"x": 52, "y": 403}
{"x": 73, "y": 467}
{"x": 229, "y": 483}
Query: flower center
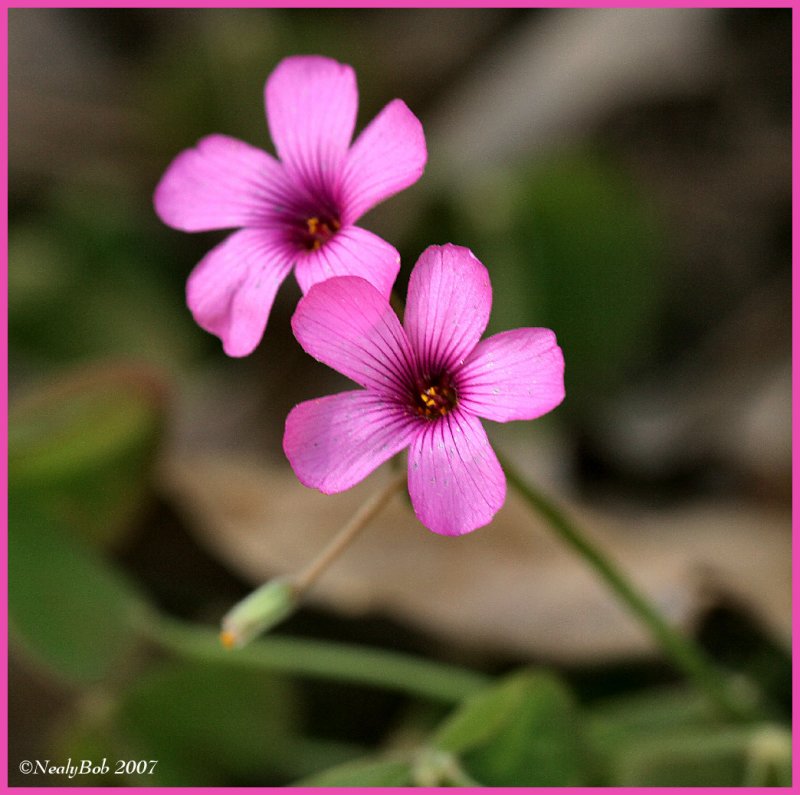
{"x": 319, "y": 229}
{"x": 434, "y": 398}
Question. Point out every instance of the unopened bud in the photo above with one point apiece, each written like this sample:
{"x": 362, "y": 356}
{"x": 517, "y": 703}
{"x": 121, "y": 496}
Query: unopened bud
{"x": 263, "y": 609}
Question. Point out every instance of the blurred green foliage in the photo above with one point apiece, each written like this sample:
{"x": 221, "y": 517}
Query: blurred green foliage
{"x": 593, "y": 253}
{"x": 65, "y": 605}
{"x": 207, "y": 720}
{"x": 527, "y": 730}
{"x": 80, "y": 447}
{"x": 216, "y": 723}
{"x": 92, "y": 282}
{"x": 364, "y": 773}
{"x": 523, "y": 732}
{"x": 571, "y": 243}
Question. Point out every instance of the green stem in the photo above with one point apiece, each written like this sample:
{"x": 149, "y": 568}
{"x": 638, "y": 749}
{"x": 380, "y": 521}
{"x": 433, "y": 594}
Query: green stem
{"x": 680, "y": 649}
{"x": 324, "y": 660}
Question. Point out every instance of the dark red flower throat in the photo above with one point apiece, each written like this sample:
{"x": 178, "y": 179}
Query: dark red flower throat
{"x": 434, "y": 397}
{"x": 319, "y": 229}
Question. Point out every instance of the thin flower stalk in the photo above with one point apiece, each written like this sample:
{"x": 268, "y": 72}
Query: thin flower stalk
{"x": 277, "y": 599}
{"x": 677, "y": 647}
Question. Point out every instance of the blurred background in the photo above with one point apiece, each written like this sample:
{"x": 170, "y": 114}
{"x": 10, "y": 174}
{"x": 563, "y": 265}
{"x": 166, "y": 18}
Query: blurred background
{"x": 625, "y": 175}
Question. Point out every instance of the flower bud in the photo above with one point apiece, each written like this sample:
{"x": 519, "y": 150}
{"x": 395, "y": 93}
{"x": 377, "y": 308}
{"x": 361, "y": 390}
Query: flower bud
{"x": 263, "y": 609}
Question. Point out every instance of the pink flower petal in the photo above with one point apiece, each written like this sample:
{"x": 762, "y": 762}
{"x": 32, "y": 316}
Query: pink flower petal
{"x": 347, "y": 324}
{"x": 311, "y": 109}
{"x": 336, "y": 441}
{"x": 388, "y": 155}
{"x": 454, "y": 479}
{"x": 231, "y": 291}
{"x": 515, "y": 375}
{"x": 219, "y": 184}
{"x": 352, "y": 251}
{"x": 449, "y": 300}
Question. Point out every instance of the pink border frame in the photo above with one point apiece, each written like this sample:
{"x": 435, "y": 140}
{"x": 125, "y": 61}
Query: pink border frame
{"x": 400, "y": 4}
{"x": 394, "y": 4}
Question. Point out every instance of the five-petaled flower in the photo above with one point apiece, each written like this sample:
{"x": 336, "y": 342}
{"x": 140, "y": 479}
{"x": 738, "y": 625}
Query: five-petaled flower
{"x": 425, "y": 386}
{"x": 298, "y": 212}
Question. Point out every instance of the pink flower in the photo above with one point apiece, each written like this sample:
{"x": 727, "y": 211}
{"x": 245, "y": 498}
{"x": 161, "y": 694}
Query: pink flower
{"x": 298, "y": 212}
{"x": 425, "y": 386}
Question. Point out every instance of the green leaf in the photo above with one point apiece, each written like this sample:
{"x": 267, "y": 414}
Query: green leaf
{"x": 670, "y": 737}
{"x": 572, "y": 245}
{"x": 725, "y": 757}
{"x": 66, "y": 607}
{"x": 363, "y": 773}
{"x": 523, "y": 732}
{"x": 91, "y": 277}
{"x": 593, "y": 252}
{"x": 81, "y": 446}
{"x": 653, "y": 712}
{"x": 481, "y": 717}
{"x": 210, "y": 722}
{"x": 95, "y": 737}
{"x": 622, "y": 722}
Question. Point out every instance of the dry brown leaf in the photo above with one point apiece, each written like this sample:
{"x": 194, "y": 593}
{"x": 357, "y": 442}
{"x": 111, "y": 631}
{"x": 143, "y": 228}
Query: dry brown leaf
{"x": 511, "y": 587}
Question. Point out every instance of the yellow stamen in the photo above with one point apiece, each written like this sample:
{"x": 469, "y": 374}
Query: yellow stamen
{"x": 319, "y": 231}
{"x": 437, "y": 400}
